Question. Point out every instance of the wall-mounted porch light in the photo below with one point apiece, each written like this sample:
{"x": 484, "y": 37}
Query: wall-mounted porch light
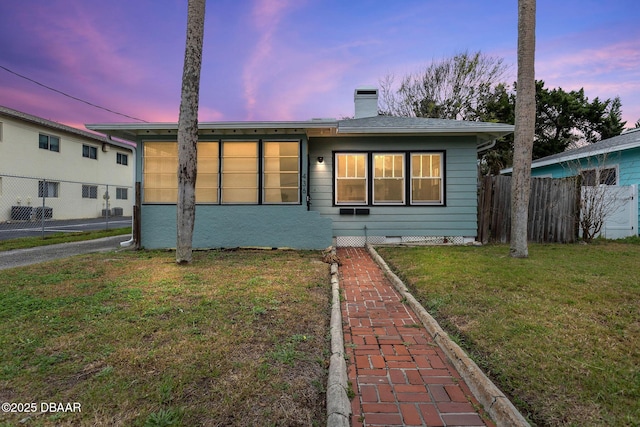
{"x": 320, "y": 159}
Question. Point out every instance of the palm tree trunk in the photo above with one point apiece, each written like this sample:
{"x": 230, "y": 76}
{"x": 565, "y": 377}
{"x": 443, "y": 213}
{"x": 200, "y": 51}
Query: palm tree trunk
{"x": 188, "y": 131}
{"x": 525, "y": 121}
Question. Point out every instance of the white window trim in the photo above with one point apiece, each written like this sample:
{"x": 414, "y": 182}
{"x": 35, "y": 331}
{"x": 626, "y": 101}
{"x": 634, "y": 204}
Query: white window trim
{"x": 599, "y": 169}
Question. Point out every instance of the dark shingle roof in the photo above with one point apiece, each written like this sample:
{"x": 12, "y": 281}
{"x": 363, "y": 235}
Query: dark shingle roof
{"x": 392, "y": 124}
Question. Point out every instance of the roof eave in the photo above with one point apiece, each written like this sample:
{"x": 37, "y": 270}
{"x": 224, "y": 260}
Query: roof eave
{"x": 131, "y": 131}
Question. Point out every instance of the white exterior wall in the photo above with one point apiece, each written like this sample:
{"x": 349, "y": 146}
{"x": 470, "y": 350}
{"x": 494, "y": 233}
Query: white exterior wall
{"x": 20, "y": 156}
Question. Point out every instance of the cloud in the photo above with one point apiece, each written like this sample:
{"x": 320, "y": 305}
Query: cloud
{"x": 605, "y": 71}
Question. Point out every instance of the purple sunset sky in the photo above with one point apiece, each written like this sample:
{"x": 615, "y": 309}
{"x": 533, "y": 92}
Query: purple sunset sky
{"x": 291, "y": 59}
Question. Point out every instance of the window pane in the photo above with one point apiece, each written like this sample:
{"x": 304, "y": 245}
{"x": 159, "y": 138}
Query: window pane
{"x": 54, "y": 143}
{"x": 351, "y": 190}
{"x": 388, "y": 190}
{"x": 281, "y": 172}
{"x": 608, "y": 176}
{"x": 240, "y": 172}
{"x": 207, "y": 180}
{"x": 160, "y": 166}
{"x": 43, "y": 141}
{"x": 588, "y": 177}
{"x": 426, "y": 190}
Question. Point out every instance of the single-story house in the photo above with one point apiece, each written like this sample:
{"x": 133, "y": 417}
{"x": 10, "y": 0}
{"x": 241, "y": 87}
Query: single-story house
{"x": 310, "y": 184}
{"x": 73, "y": 170}
{"x": 612, "y": 162}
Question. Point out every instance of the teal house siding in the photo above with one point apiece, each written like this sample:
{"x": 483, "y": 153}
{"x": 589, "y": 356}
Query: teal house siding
{"x": 621, "y": 152}
{"x": 222, "y": 226}
{"x": 457, "y": 217}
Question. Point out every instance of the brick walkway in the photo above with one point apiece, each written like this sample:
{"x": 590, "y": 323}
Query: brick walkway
{"x": 399, "y": 376}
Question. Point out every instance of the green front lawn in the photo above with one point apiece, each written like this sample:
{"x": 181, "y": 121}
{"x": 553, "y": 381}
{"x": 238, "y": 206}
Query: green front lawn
{"x": 559, "y": 332}
{"x": 236, "y": 338}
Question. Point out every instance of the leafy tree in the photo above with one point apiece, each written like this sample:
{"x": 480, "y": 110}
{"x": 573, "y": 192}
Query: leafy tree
{"x": 568, "y": 118}
{"x": 563, "y": 119}
{"x": 525, "y": 121}
{"x": 188, "y": 131}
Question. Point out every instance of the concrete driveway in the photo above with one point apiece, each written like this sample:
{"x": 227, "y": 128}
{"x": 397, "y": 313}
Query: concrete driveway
{"x": 21, "y": 257}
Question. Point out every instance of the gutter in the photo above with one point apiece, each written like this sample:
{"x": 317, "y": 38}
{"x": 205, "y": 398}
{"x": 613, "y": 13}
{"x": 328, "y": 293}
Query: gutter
{"x": 129, "y": 242}
{"x": 486, "y": 146}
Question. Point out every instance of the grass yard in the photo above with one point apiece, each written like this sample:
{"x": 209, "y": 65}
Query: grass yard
{"x": 237, "y": 338}
{"x": 55, "y": 238}
{"x": 559, "y": 332}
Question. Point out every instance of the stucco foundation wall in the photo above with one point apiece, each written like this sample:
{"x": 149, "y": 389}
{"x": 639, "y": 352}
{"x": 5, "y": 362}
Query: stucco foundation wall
{"x": 239, "y": 226}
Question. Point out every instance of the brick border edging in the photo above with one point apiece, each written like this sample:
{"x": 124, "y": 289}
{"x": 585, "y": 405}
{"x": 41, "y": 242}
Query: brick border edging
{"x": 499, "y": 407}
{"x": 338, "y": 402}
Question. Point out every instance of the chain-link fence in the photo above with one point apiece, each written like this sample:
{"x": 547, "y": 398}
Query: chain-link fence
{"x": 29, "y": 206}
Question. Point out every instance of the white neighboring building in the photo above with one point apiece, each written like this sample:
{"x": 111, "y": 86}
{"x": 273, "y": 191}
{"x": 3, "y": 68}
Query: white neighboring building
{"x": 67, "y": 170}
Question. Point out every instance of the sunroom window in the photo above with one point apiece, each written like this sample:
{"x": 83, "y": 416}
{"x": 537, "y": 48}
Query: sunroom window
{"x": 281, "y": 172}
{"x": 240, "y": 172}
{"x": 160, "y": 171}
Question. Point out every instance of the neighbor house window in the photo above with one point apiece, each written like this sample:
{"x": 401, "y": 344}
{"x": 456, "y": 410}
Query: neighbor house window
{"x": 122, "y": 193}
{"x": 89, "y": 191}
{"x": 122, "y": 159}
{"x": 47, "y": 189}
{"x": 281, "y": 172}
{"x": 89, "y": 152}
{"x": 601, "y": 176}
{"x": 48, "y": 142}
{"x": 426, "y": 178}
{"x": 240, "y": 172}
{"x": 351, "y": 178}
{"x": 388, "y": 179}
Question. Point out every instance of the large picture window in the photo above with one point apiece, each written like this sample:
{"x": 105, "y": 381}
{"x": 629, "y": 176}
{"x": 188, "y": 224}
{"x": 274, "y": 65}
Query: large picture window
{"x": 351, "y": 178}
{"x": 416, "y": 176}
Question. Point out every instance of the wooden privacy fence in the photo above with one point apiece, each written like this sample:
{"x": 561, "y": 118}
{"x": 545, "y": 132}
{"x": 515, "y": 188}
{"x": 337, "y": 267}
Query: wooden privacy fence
{"x": 554, "y": 210}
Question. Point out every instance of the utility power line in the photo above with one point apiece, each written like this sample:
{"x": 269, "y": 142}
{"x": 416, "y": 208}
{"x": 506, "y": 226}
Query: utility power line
{"x": 70, "y": 96}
